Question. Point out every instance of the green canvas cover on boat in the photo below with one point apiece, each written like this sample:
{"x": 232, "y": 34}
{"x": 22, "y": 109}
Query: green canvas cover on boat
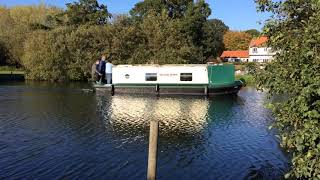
{"x": 221, "y": 75}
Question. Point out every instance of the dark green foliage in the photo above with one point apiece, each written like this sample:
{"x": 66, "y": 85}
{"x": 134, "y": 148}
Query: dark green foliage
{"x": 251, "y": 67}
{"x": 253, "y": 32}
{"x": 86, "y": 12}
{"x": 202, "y": 36}
{"x": 294, "y": 34}
{"x": 194, "y": 21}
{"x": 165, "y": 42}
{"x": 15, "y": 26}
{"x": 74, "y": 52}
{"x": 4, "y": 54}
{"x": 173, "y": 8}
{"x": 213, "y": 45}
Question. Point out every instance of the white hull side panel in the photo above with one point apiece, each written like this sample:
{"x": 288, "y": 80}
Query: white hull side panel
{"x": 169, "y": 74}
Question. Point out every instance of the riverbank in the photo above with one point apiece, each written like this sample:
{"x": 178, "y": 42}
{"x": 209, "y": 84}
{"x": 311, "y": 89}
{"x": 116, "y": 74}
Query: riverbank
{"x": 12, "y": 76}
{"x": 249, "y": 79}
{"x": 9, "y": 73}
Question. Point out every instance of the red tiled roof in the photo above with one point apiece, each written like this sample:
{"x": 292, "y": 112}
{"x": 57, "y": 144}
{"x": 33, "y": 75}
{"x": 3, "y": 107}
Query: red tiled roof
{"x": 238, "y": 54}
{"x": 259, "y": 41}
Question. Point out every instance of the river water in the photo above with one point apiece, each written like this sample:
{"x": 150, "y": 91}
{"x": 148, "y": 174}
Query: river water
{"x": 55, "y": 131}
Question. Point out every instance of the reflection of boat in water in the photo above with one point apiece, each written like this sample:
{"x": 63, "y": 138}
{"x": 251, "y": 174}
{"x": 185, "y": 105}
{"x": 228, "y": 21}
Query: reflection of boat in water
{"x": 176, "y": 115}
{"x": 198, "y": 79}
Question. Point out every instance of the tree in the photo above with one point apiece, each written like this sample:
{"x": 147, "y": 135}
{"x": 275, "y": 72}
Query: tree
{"x": 253, "y": 32}
{"x": 46, "y": 56}
{"x": 85, "y": 12}
{"x": 173, "y": 8}
{"x": 294, "y": 34}
{"x": 65, "y": 53}
{"x": 236, "y": 40}
{"x": 192, "y": 17}
{"x": 194, "y": 26}
{"x": 214, "y": 30}
{"x": 16, "y": 24}
{"x": 166, "y": 44}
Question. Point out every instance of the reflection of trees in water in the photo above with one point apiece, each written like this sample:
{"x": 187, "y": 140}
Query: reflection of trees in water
{"x": 221, "y": 108}
{"x": 181, "y": 117}
{"x": 131, "y": 114}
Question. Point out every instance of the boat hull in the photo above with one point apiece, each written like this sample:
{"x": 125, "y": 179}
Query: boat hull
{"x": 167, "y": 89}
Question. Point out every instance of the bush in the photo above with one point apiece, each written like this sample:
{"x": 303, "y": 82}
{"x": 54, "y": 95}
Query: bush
{"x": 248, "y": 79}
{"x": 64, "y": 53}
{"x": 294, "y": 34}
{"x": 251, "y": 68}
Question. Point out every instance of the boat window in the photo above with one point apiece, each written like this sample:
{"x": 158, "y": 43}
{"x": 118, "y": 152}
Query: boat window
{"x": 185, "y": 76}
{"x": 151, "y": 76}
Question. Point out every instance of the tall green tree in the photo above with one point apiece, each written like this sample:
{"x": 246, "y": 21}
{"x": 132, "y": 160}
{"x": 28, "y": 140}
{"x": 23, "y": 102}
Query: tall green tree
{"x": 214, "y": 30}
{"x": 85, "y": 12}
{"x": 173, "y": 8}
{"x": 294, "y": 35}
{"x": 192, "y": 17}
{"x": 165, "y": 42}
{"x": 194, "y": 21}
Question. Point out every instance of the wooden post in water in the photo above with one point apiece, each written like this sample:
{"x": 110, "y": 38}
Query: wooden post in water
{"x": 158, "y": 89}
{"x": 112, "y": 89}
{"x": 206, "y": 90}
{"x": 153, "y": 146}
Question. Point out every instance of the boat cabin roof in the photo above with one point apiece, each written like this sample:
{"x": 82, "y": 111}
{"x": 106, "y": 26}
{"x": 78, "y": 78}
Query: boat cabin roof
{"x": 165, "y": 65}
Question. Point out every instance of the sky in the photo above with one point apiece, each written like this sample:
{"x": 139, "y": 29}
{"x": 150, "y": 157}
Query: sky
{"x": 237, "y": 14}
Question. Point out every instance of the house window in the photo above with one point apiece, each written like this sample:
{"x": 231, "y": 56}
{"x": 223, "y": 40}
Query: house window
{"x": 255, "y": 50}
{"x": 151, "y": 77}
{"x": 185, "y": 76}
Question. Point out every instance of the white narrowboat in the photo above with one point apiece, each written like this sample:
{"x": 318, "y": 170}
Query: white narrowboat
{"x": 194, "y": 79}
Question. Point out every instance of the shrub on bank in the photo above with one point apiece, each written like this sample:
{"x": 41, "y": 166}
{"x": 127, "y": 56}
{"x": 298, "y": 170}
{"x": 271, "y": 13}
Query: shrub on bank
{"x": 247, "y": 78}
{"x": 295, "y": 71}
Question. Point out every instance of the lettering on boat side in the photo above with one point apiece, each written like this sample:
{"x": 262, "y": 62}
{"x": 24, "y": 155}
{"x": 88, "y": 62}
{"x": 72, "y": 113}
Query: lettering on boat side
{"x": 168, "y": 74}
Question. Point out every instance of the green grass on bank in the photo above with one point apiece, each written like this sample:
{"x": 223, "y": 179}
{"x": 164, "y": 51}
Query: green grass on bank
{"x": 249, "y": 79}
{"x": 10, "y": 70}
{"x": 239, "y": 67}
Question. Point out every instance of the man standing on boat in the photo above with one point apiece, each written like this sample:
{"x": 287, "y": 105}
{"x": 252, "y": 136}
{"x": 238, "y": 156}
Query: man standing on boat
{"x": 102, "y": 68}
{"x": 96, "y": 76}
{"x": 108, "y": 71}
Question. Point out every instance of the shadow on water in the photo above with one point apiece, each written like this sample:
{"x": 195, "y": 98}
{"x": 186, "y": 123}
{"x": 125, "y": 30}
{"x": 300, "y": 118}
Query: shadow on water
{"x": 51, "y": 131}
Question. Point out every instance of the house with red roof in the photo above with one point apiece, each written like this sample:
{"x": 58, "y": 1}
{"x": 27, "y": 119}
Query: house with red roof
{"x": 259, "y": 50}
{"x": 235, "y": 56}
